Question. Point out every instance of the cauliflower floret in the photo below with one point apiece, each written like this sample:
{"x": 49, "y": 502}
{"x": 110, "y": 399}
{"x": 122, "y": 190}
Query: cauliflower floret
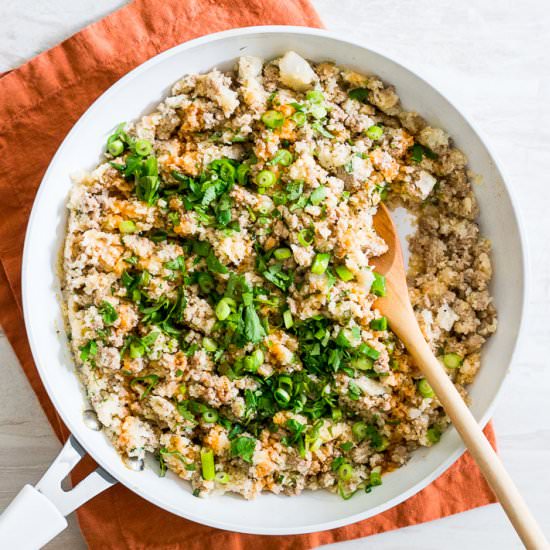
{"x": 331, "y": 156}
{"x": 250, "y": 70}
{"x": 253, "y": 93}
{"x": 249, "y": 67}
{"x": 136, "y": 437}
{"x": 434, "y": 138}
{"x": 425, "y": 183}
{"x": 446, "y": 317}
{"x": 215, "y": 86}
{"x": 296, "y": 73}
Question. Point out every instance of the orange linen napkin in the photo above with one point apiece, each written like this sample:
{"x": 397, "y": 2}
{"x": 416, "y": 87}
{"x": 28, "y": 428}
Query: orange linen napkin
{"x": 39, "y": 102}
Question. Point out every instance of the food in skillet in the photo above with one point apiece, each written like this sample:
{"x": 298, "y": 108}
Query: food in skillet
{"x": 218, "y": 290}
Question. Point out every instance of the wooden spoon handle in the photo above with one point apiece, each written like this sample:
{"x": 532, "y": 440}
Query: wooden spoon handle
{"x": 488, "y": 461}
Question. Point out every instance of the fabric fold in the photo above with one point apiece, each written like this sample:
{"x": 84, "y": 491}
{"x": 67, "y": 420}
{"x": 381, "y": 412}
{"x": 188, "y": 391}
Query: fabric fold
{"x": 39, "y": 103}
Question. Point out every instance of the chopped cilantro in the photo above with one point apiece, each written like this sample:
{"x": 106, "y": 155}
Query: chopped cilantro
{"x": 359, "y": 94}
{"x": 88, "y": 351}
{"x": 418, "y": 152}
{"x": 108, "y": 313}
{"x": 243, "y": 447}
{"x": 253, "y": 329}
{"x": 150, "y": 380}
{"x": 163, "y": 451}
{"x": 337, "y": 462}
{"x": 346, "y": 446}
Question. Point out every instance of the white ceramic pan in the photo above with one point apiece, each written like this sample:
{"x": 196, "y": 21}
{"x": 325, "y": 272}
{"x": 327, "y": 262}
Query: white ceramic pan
{"x": 38, "y": 513}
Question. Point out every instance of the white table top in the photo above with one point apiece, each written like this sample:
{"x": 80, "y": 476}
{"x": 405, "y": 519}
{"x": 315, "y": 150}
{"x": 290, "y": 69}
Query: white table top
{"x": 491, "y": 59}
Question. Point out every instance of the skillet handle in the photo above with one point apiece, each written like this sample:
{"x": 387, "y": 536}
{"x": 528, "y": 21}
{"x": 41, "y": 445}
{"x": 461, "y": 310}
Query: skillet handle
{"x": 37, "y": 514}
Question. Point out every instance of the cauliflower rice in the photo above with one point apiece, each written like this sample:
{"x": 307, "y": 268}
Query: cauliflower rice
{"x": 218, "y": 287}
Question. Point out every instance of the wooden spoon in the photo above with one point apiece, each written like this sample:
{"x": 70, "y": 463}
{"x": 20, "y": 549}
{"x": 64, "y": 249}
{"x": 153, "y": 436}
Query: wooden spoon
{"x": 396, "y": 307}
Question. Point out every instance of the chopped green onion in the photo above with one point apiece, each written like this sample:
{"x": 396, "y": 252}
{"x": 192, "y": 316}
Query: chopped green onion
{"x": 258, "y": 357}
{"x": 378, "y": 285}
{"x": 282, "y": 253}
{"x": 318, "y": 111}
{"x": 336, "y": 415}
{"x": 375, "y": 479}
{"x": 282, "y": 157}
{"x": 318, "y": 195}
{"x": 359, "y": 94}
{"x": 143, "y": 147}
{"x": 342, "y": 491}
{"x": 359, "y": 430}
{"x": 127, "y": 226}
{"x": 305, "y": 237}
{"x": 265, "y": 178}
{"x": 207, "y": 465}
{"x": 433, "y": 435}
{"x": 210, "y": 416}
{"x": 115, "y": 147}
{"x": 425, "y": 389}
{"x": 226, "y": 169}
{"x": 273, "y": 119}
{"x": 344, "y": 273}
{"x": 208, "y": 344}
{"x": 375, "y": 132}
{"x": 345, "y": 471}
{"x": 315, "y": 96}
{"x": 382, "y": 445}
{"x": 287, "y": 319}
{"x": 452, "y": 360}
{"x": 285, "y": 381}
{"x": 137, "y": 349}
{"x": 362, "y": 363}
{"x": 318, "y": 127}
{"x": 221, "y": 477}
{"x": 369, "y": 352}
{"x": 223, "y": 309}
{"x": 299, "y": 118}
{"x": 379, "y": 324}
{"x": 345, "y": 338}
{"x": 254, "y": 361}
{"x": 281, "y": 396}
{"x": 242, "y": 173}
{"x": 320, "y": 264}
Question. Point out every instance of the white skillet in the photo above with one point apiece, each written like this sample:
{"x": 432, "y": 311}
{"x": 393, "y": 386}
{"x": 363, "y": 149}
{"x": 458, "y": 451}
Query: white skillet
{"x": 38, "y": 513}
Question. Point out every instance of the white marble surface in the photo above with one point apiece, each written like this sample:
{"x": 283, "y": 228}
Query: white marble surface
{"x": 491, "y": 58}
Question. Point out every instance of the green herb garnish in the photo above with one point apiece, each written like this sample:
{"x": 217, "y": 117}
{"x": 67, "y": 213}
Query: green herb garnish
{"x": 243, "y": 447}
